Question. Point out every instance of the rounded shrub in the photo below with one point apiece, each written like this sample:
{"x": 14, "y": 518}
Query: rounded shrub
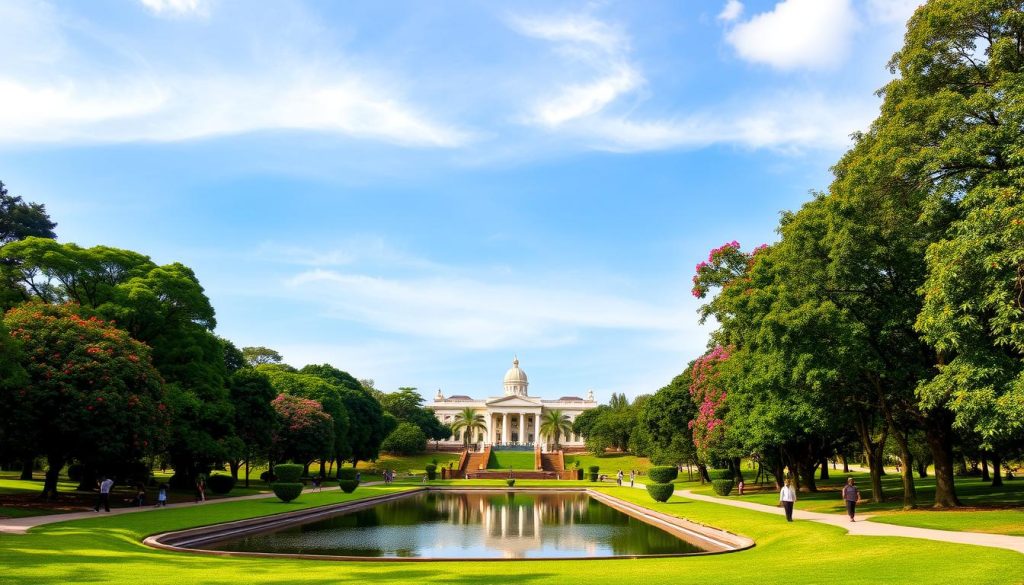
{"x": 660, "y": 492}
{"x": 348, "y": 485}
{"x": 510, "y": 482}
{"x": 288, "y": 472}
{"x": 722, "y": 487}
{"x": 593, "y": 469}
{"x": 431, "y": 471}
{"x": 347, "y": 473}
{"x": 721, "y": 474}
{"x": 406, "y": 439}
{"x": 287, "y": 491}
{"x": 220, "y": 483}
{"x": 663, "y": 473}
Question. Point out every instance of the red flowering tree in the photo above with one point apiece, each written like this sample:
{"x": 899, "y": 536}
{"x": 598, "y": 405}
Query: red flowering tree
{"x": 305, "y": 431}
{"x": 711, "y": 398}
{"x": 92, "y": 392}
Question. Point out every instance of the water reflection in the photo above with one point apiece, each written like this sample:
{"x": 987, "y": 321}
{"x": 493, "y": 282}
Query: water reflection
{"x": 474, "y": 525}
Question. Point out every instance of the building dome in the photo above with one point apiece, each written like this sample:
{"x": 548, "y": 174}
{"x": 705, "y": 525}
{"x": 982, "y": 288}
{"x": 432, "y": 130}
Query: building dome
{"x": 515, "y": 380}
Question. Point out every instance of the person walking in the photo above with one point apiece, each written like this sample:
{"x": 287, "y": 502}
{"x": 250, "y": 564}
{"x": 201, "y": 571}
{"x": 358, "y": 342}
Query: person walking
{"x": 787, "y": 498}
{"x": 632, "y": 477}
{"x": 851, "y": 495}
{"x": 161, "y": 496}
{"x": 104, "y": 499}
{"x": 200, "y": 488}
{"x": 618, "y": 478}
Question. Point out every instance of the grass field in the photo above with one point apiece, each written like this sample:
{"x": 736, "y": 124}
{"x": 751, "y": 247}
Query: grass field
{"x": 405, "y": 464}
{"x": 609, "y": 463}
{"x": 107, "y": 549}
{"x": 511, "y": 460}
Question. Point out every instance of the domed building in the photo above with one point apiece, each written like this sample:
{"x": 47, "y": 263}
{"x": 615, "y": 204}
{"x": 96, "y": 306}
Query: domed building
{"x": 514, "y": 418}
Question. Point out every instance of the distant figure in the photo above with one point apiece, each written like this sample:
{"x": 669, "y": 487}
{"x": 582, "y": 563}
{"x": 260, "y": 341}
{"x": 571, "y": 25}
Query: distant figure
{"x": 851, "y": 495}
{"x": 618, "y": 478}
{"x": 787, "y": 497}
{"x": 316, "y": 483}
{"x": 140, "y": 495}
{"x": 359, "y": 476}
{"x": 740, "y": 486}
{"x": 161, "y": 496}
{"x": 200, "y": 488}
{"x": 632, "y": 476}
{"x": 104, "y": 499}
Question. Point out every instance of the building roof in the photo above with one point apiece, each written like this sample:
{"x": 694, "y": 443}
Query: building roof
{"x": 515, "y": 375}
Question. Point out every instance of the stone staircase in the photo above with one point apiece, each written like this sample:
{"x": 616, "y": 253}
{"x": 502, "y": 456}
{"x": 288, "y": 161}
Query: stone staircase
{"x": 475, "y": 462}
{"x": 552, "y": 461}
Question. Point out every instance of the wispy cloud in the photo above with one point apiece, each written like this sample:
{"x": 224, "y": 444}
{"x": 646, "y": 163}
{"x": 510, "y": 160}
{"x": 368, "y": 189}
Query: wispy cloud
{"x": 796, "y": 34}
{"x": 731, "y": 11}
{"x": 178, "y": 8}
{"x": 597, "y": 48}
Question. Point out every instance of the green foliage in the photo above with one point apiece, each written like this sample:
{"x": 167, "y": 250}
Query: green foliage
{"x": 407, "y": 439}
{"x": 554, "y": 425}
{"x": 663, "y": 474}
{"x": 722, "y": 487}
{"x": 348, "y": 485}
{"x": 660, "y": 492}
{"x": 286, "y": 492}
{"x": 347, "y": 473}
{"x": 288, "y": 472}
{"x": 468, "y": 422}
{"x": 257, "y": 356}
{"x": 304, "y": 431}
{"x": 327, "y": 395}
{"x": 20, "y": 220}
{"x": 220, "y": 483}
{"x": 510, "y": 482}
{"x": 255, "y": 420}
{"x": 431, "y": 470}
{"x": 593, "y": 468}
{"x": 721, "y": 474}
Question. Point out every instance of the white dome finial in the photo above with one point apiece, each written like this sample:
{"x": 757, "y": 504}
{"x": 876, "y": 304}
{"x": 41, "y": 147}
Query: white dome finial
{"x": 515, "y": 379}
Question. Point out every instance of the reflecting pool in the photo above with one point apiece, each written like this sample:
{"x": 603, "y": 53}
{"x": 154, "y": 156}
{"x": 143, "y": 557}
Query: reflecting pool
{"x": 472, "y": 524}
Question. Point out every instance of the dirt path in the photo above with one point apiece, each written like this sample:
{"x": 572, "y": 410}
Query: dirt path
{"x": 862, "y": 528}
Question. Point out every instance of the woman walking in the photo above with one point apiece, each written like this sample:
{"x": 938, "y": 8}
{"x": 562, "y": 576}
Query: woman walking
{"x": 787, "y": 497}
{"x": 851, "y": 495}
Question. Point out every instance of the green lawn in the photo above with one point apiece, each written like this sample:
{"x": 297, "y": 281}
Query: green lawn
{"x": 512, "y": 460}
{"x": 609, "y": 463}
{"x": 406, "y": 464}
{"x": 107, "y": 549}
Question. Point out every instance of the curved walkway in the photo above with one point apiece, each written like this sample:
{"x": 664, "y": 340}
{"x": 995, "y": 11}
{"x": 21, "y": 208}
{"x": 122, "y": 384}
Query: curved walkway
{"x": 861, "y": 528}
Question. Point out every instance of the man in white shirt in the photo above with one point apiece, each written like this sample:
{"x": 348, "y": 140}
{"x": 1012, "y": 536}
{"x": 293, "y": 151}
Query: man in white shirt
{"x": 787, "y": 497}
{"x": 104, "y": 500}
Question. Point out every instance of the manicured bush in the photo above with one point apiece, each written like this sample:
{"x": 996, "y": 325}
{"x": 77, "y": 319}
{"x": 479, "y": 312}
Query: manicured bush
{"x": 406, "y": 439}
{"x": 593, "y": 469}
{"x": 721, "y": 474}
{"x": 722, "y": 487}
{"x": 348, "y": 485}
{"x": 287, "y": 491}
{"x": 510, "y": 482}
{"x": 660, "y": 492}
{"x": 663, "y": 474}
{"x": 347, "y": 473}
{"x": 220, "y": 483}
{"x": 592, "y": 476}
{"x": 288, "y": 472}
{"x": 431, "y": 471}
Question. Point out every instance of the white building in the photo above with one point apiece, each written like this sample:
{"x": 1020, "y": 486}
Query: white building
{"x": 512, "y": 419}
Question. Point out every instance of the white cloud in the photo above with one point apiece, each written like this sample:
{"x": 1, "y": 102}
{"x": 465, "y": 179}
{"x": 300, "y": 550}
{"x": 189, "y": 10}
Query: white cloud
{"x": 812, "y": 34}
{"x": 178, "y": 8}
{"x": 471, "y": 313}
{"x": 731, "y": 11}
{"x": 892, "y": 11}
{"x": 599, "y": 49}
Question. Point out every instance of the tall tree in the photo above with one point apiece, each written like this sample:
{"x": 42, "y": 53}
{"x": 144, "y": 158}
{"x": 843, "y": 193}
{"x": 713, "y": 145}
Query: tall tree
{"x": 468, "y": 422}
{"x": 20, "y": 219}
{"x": 255, "y": 418}
{"x": 554, "y": 424}
{"x": 258, "y": 356}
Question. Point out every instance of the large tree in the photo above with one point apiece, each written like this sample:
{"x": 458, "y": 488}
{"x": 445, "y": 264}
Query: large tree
{"x": 255, "y": 418}
{"x": 20, "y": 219}
{"x": 304, "y": 431}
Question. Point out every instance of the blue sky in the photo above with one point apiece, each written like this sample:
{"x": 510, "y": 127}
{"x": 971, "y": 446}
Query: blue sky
{"x": 415, "y": 191}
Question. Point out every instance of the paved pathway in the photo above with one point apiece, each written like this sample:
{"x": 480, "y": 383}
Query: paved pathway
{"x": 22, "y": 525}
{"x": 861, "y": 528}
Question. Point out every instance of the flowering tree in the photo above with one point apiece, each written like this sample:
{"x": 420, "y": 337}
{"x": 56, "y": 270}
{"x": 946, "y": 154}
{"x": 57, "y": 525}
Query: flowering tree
{"x": 305, "y": 431}
{"x": 710, "y": 397}
{"x": 92, "y": 393}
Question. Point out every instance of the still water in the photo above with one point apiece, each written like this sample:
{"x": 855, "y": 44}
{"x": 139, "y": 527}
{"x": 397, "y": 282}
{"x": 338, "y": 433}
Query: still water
{"x": 473, "y": 525}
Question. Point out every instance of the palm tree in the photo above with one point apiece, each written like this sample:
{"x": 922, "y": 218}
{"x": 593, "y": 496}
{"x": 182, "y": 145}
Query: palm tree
{"x": 469, "y": 422}
{"x": 554, "y": 424}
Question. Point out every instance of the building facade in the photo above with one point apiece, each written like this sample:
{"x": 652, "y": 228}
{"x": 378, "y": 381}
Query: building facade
{"x": 514, "y": 418}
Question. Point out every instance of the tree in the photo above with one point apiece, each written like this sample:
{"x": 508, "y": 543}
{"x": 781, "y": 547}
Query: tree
{"x": 554, "y": 424}
{"x": 304, "y": 431}
{"x": 406, "y": 439}
{"x": 406, "y": 405}
{"x": 233, "y": 358}
{"x": 255, "y": 418}
{"x": 92, "y": 393}
{"x": 257, "y": 356}
{"x": 468, "y": 422}
{"x": 19, "y": 220}
{"x": 661, "y": 416}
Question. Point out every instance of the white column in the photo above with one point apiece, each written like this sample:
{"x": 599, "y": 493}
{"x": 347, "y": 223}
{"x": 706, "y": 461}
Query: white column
{"x": 504, "y": 427}
{"x": 522, "y": 427}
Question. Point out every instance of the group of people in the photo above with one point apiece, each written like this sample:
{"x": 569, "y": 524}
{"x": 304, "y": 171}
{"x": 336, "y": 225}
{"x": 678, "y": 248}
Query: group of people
{"x": 850, "y": 495}
{"x": 620, "y": 476}
{"x": 389, "y": 475}
{"x": 106, "y": 484}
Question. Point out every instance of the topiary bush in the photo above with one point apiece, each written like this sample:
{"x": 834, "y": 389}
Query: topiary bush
{"x": 348, "y": 485}
{"x": 220, "y": 483}
{"x": 721, "y": 474}
{"x": 593, "y": 469}
{"x": 431, "y": 471}
{"x": 510, "y": 482}
{"x": 347, "y": 473}
{"x": 722, "y": 487}
{"x": 663, "y": 473}
{"x": 287, "y": 491}
{"x": 660, "y": 492}
{"x": 288, "y": 472}
{"x": 406, "y": 439}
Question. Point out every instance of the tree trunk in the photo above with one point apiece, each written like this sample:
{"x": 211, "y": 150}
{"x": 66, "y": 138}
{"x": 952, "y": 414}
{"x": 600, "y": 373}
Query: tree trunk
{"x": 247, "y": 470}
{"x": 938, "y": 434}
{"x": 922, "y": 469}
{"x": 984, "y": 467}
{"x": 846, "y": 465}
{"x": 997, "y": 474}
{"x": 54, "y": 464}
{"x": 737, "y": 470}
{"x": 703, "y": 471}
{"x": 824, "y": 468}
{"x": 872, "y": 455}
{"x": 906, "y": 460}
{"x": 234, "y": 465}
{"x": 27, "y": 467}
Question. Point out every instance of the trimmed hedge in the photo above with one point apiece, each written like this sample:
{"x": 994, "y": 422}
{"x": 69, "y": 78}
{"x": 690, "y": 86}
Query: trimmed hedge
{"x": 663, "y": 474}
{"x": 660, "y": 492}
{"x": 288, "y": 472}
{"x": 592, "y": 476}
{"x": 721, "y": 474}
{"x": 220, "y": 483}
{"x": 593, "y": 469}
{"x": 431, "y": 470}
{"x": 510, "y": 482}
{"x": 347, "y": 473}
{"x": 722, "y": 487}
{"x": 348, "y": 485}
{"x": 287, "y": 491}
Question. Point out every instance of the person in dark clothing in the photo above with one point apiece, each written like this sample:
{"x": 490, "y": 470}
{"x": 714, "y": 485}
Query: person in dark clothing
{"x": 851, "y": 495}
{"x": 104, "y": 499}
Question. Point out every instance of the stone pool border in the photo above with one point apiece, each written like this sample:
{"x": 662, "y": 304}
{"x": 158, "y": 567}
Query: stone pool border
{"x": 190, "y": 540}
